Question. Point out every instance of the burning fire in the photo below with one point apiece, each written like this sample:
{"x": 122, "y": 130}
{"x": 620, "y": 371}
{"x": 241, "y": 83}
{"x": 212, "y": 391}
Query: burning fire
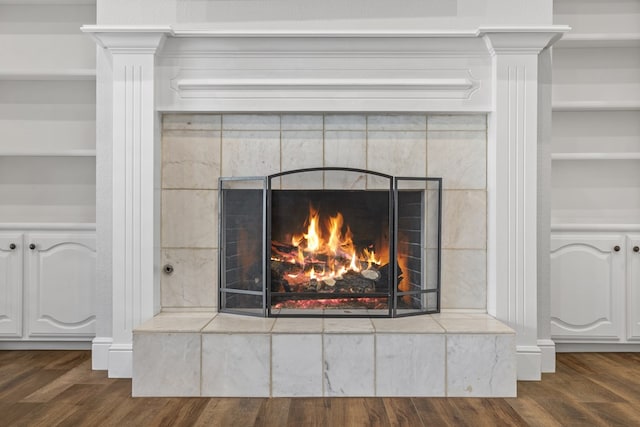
{"x": 325, "y": 252}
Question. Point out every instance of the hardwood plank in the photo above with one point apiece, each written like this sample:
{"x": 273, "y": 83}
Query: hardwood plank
{"x": 401, "y": 412}
{"x": 58, "y": 388}
{"x": 230, "y": 412}
{"x": 273, "y": 412}
{"x": 438, "y": 412}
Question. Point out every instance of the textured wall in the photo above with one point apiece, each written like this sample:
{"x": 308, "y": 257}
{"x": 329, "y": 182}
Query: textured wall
{"x": 197, "y": 149}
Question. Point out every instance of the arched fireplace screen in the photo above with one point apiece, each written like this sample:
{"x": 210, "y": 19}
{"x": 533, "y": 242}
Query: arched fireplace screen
{"x": 331, "y": 242}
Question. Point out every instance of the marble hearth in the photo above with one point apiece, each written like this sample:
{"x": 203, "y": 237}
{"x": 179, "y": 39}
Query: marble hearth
{"x": 224, "y": 355}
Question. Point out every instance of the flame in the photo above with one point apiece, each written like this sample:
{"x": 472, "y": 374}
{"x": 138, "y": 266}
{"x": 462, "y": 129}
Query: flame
{"x": 326, "y": 250}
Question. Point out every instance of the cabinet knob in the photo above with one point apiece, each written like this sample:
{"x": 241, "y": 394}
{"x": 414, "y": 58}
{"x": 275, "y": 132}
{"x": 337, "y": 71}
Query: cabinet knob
{"x": 616, "y": 248}
{"x": 32, "y": 246}
{"x": 636, "y": 249}
{"x": 12, "y": 246}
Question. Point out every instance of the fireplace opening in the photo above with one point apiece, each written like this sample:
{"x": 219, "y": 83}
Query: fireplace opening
{"x": 330, "y": 242}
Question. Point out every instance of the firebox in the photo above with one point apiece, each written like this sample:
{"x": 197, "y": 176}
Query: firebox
{"x": 331, "y": 242}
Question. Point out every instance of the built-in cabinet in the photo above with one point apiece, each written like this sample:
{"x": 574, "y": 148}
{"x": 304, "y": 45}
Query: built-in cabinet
{"x": 47, "y": 171}
{"x": 595, "y": 199}
{"x": 48, "y": 285}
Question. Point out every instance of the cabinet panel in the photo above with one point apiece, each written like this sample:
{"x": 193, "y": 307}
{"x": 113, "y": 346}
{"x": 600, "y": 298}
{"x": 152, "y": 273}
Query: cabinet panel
{"x": 633, "y": 287}
{"x": 61, "y": 284}
{"x": 10, "y": 285}
{"x": 587, "y": 287}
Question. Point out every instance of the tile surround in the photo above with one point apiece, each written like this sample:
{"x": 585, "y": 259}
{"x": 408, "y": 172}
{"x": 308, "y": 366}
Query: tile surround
{"x": 197, "y": 148}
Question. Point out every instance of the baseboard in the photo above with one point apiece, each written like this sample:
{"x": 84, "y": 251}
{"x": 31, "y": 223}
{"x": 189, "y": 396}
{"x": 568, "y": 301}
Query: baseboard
{"x": 529, "y": 361}
{"x": 45, "y": 345}
{"x": 120, "y": 361}
{"x": 100, "y": 353}
{"x": 597, "y": 348}
{"x": 548, "y": 353}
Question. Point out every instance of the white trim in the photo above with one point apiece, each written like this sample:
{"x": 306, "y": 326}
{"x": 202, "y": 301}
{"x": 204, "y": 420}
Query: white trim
{"x": 70, "y": 74}
{"x": 88, "y": 226}
{"x": 45, "y": 345}
{"x": 595, "y": 156}
{"x": 562, "y": 347}
{"x": 548, "y": 355}
{"x": 595, "y": 105}
{"x": 529, "y": 361}
{"x": 52, "y": 153}
{"x": 594, "y": 227}
{"x": 100, "y": 353}
{"x": 120, "y": 361}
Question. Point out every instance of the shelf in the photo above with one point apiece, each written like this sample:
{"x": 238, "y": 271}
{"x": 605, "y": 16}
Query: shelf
{"x": 596, "y": 106}
{"x": 90, "y": 226}
{"x": 570, "y": 41}
{"x": 51, "y": 74}
{"x": 42, "y": 153}
{"x": 48, "y": 2}
{"x": 595, "y": 156}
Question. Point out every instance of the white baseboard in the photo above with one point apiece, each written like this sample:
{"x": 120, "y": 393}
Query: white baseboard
{"x": 100, "y": 353}
{"x": 548, "y": 349}
{"x": 120, "y": 361}
{"x": 596, "y": 348}
{"x": 529, "y": 361}
{"x": 45, "y": 345}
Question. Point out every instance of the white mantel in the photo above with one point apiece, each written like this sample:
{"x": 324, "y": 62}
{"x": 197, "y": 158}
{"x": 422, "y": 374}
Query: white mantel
{"x": 235, "y": 69}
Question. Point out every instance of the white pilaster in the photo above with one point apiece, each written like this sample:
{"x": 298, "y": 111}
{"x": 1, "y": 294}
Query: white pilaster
{"x": 512, "y": 186}
{"x": 135, "y": 210}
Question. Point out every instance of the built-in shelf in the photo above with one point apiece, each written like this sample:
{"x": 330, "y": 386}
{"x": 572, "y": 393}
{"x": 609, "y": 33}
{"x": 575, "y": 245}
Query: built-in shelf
{"x": 596, "y": 105}
{"x": 595, "y": 156}
{"x": 598, "y": 40}
{"x": 51, "y": 74}
{"x": 47, "y": 2}
{"x": 44, "y": 153}
{"x": 567, "y": 226}
{"x": 91, "y": 226}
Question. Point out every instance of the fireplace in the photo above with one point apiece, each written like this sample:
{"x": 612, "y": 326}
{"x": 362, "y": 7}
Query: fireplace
{"x": 332, "y": 242}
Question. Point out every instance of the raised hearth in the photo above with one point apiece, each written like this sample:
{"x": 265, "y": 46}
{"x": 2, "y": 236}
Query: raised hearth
{"x": 225, "y": 355}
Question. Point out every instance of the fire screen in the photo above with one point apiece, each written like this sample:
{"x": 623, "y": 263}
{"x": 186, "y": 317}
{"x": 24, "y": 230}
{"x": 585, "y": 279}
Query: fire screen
{"x": 333, "y": 242}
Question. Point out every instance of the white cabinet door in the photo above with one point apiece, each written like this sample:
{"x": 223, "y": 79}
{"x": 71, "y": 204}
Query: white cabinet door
{"x": 10, "y": 285}
{"x": 60, "y": 284}
{"x": 587, "y": 287}
{"x": 633, "y": 287}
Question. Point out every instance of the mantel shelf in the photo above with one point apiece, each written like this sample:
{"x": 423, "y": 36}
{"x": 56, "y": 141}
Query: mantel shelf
{"x": 49, "y": 74}
{"x": 49, "y": 153}
{"x": 599, "y": 40}
{"x": 595, "y": 156}
{"x": 596, "y": 106}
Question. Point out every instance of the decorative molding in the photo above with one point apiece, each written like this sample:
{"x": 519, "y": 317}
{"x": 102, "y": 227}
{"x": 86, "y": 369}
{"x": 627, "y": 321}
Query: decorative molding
{"x": 100, "y": 353}
{"x": 547, "y": 355}
{"x": 519, "y": 40}
{"x": 529, "y": 360}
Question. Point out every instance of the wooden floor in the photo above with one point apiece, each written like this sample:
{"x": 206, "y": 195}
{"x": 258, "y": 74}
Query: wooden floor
{"x": 58, "y": 388}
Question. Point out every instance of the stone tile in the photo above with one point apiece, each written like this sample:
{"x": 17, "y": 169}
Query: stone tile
{"x": 296, "y": 365}
{"x": 460, "y": 158}
{"x": 251, "y": 122}
{"x": 302, "y": 122}
{"x": 347, "y": 325}
{"x": 153, "y": 353}
{"x": 464, "y": 279}
{"x": 407, "y": 325}
{"x": 189, "y": 218}
{"x": 481, "y": 365}
{"x": 397, "y": 122}
{"x": 206, "y": 122}
{"x": 345, "y": 149}
{"x": 190, "y": 159}
{"x": 345, "y": 122}
{"x": 464, "y": 219}
{"x": 194, "y": 281}
{"x": 236, "y": 365}
{"x": 478, "y": 325}
{"x": 286, "y": 325}
{"x": 410, "y": 365}
{"x": 250, "y": 153}
{"x": 457, "y": 122}
{"x": 302, "y": 149}
{"x": 233, "y": 323}
{"x": 348, "y": 365}
{"x": 177, "y": 322}
{"x": 396, "y": 153}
